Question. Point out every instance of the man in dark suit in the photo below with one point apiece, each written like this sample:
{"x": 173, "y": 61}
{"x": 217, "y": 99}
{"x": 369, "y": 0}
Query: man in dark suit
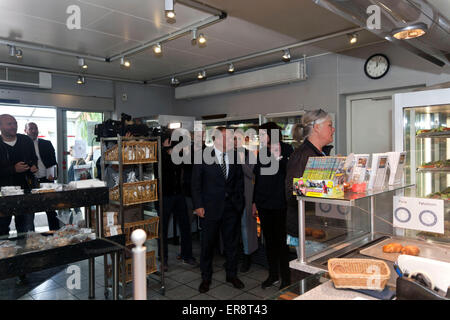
{"x": 218, "y": 198}
{"x": 46, "y": 163}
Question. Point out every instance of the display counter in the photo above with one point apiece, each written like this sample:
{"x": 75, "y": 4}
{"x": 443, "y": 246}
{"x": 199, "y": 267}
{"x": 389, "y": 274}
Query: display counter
{"x": 41, "y": 254}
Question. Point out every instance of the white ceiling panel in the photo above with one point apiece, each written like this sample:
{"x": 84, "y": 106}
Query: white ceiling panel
{"x": 151, "y": 10}
{"x": 130, "y": 28}
{"x": 52, "y": 10}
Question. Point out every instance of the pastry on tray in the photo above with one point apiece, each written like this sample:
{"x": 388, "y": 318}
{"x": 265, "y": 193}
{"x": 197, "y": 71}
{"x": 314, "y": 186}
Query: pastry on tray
{"x": 392, "y": 248}
{"x": 318, "y": 234}
{"x": 410, "y": 250}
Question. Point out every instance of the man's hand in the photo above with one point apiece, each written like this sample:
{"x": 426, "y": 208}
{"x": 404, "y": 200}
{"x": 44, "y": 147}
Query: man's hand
{"x": 21, "y": 167}
{"x": 254, "y": 211}
{"x": 34, "y": 169}
{"x": 200, "y": 212}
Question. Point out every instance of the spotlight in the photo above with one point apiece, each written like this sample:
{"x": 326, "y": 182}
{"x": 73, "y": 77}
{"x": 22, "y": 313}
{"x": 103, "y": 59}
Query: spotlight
{"x": 286, "y": 56}
{"x": 201, "y": 39}
{"x": 230, "y": 68}
{"x": 19, "y": 54}
{"x": 81, "y": 80}
{"x": 82, "y": 64}
{"x": 410, "y": 32}
{"x": 168, "y": 7}
{"x": 157, "y": 48}
{"x": 12, "y": 51}
{"x": 174, "y": 82}
{"x": 124, "y": 63}
{"x": 353, "y": 38}
{"x": 194, "y": 36}
{"x": 201, "y": 75}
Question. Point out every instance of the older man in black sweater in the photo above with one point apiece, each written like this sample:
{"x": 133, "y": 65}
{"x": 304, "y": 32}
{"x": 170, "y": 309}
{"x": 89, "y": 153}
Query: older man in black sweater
{"x": 18, "y": 163}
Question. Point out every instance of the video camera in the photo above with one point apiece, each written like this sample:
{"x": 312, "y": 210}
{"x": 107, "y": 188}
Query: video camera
{"x": 112, "y": 128}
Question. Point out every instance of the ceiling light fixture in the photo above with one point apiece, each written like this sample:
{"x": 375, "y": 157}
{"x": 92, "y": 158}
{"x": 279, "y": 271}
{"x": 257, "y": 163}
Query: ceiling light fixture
{"x": 82, "y": 64}
{"x": 194, "y": 36}
{"x": 81, "y": 80}
{"x": 14, "y": 52}
{"x": 125, "y": 63}
{"x": 201, "y": 39}
{"x": 174, "y": 82}
{"x": 286, "y": 56}
{"x": 201, "y": 75}
{"x": 230, "y": 68}
{"x": 410, "y": 32}
{"x": 169, "y": 10}
{"x": 157, "y": 48}
{"x": 353, "y": 38}
{"x": 19, "y": 54}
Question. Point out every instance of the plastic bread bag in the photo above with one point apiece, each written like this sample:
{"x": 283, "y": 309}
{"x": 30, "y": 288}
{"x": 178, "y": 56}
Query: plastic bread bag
{"x": 8, "y": 249}
{"x": 35, "y": 241}
{"x": 77, "y": 216}
{"x": 64, "y": 216}
{"x": 131, "y": 177}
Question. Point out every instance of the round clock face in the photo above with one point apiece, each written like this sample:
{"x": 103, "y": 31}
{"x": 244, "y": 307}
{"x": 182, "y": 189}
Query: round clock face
{"x": 376, "y": 66}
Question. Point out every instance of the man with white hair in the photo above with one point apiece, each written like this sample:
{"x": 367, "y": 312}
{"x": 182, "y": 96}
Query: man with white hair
{"x": 18, "y": 163}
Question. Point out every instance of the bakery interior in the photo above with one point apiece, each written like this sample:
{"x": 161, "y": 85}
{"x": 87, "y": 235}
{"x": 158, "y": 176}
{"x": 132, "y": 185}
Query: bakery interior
{"x": 70, "y": 66}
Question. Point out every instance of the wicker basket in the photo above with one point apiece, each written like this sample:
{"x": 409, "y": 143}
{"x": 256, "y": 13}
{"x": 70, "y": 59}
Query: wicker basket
{"x": 150, "y": 226}
{"x": 136, "y": 192}
{"x": 359, "y": 273}
{"x": 134, "y": 152}
{"x": 150, "y": 266}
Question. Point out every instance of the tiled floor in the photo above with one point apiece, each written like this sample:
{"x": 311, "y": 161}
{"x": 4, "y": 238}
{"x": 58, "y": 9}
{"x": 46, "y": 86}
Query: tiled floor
{"x": 181, "y": 282}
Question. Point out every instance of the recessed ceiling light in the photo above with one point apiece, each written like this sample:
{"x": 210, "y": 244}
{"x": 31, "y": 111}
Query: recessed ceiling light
{"x": 286, "y": 56}
{"x": 230, "y": 68}
{"x": 157, "y": 48}
{"x": 125, "y": 63}
{"x": 410, "y": 32}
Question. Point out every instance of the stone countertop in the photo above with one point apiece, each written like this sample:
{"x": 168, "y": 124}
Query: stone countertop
{"x": 327, "y": 291}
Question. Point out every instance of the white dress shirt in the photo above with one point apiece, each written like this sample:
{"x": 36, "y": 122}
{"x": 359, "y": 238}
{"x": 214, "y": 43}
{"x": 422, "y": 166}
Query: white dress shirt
{"x": 42, "y": 172}
{"x": 219, "y": 157}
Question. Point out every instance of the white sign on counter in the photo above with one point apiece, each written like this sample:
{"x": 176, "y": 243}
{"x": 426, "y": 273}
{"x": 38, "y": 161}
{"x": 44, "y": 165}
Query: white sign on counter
{"x": 419, "y": 214}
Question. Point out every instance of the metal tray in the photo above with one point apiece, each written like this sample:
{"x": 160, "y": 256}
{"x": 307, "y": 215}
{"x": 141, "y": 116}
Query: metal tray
{"x": 427, "y": 250}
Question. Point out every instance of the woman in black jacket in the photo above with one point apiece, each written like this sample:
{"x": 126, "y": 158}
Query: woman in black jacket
{"x": 316, "y": 130}
{"x": 270, "y": 204}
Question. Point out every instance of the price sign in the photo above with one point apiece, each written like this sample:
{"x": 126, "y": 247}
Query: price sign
{"x": 419, "y": 214}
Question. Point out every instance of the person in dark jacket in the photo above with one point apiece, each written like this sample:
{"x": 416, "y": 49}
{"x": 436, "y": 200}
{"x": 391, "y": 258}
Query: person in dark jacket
{"x": 18, "y": 163}
{"x": 269, "y": 203}
{"x": 174, "y": 203}
{"x": 316, "y": 131}
{"x": 46, "y": 165}
{"x": 218, "y": 197}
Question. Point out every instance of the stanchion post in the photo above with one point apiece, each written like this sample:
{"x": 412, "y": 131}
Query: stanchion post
{"x": 138, "y": 237}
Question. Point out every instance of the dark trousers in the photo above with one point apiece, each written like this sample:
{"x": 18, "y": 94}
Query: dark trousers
{"x": 53, "y": 221}
{"x": 24, "y": 223}
{"x": 176, "y": 205}
{"x": 228, "y": 226}
{"x": 273, "y": 224}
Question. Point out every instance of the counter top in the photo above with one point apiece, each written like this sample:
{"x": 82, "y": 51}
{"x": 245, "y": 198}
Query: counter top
{"x": 327, "y": 291}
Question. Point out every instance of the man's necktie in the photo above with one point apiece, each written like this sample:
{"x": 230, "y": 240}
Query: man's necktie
{"x": 223, "y": 165}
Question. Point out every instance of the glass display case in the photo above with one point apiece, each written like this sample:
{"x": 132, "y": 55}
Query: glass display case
{"x": 422, "y": 129}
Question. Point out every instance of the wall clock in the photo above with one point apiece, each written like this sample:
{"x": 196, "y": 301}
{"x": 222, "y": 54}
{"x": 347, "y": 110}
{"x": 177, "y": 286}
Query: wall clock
{"x": 377, "y": 66}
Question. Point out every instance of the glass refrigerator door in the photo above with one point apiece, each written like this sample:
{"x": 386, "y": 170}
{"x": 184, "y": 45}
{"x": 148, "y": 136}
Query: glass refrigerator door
{"x": 426, "y": 138}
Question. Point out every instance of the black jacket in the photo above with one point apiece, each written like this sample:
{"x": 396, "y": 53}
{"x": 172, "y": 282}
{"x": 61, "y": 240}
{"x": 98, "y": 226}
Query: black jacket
{"x": 211, "y": 191}
{"x": 47, "y": 153}
{"x": 295, "y": 168}
{"x": 269, "y": 191}
{"x": 171, "y": 174}
{"x": 23, "y": 151}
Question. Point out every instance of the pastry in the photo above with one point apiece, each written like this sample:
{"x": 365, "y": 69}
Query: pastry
{"x": 318, "y": 234}
{"x": 392, "y": 248}
{"x": 308, "y": 231}
{"x": 410, "y": 250}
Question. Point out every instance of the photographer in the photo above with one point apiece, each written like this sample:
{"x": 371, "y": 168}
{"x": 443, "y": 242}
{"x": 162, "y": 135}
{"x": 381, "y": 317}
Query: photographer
{"x": 18, "y": 163}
